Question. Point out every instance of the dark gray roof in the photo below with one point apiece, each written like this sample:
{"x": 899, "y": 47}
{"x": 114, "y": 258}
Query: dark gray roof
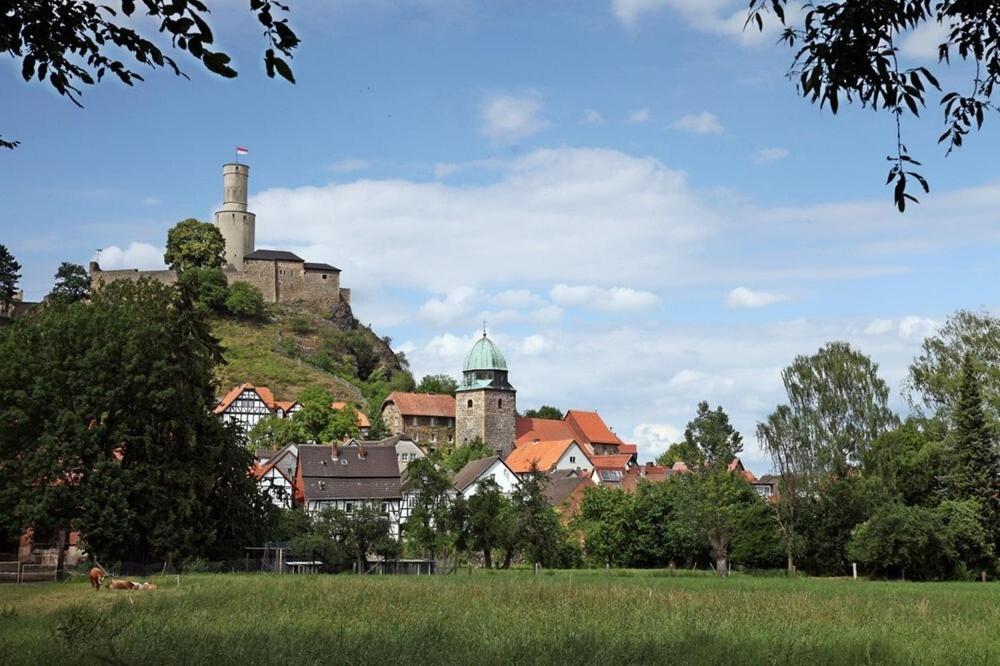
{"x": 767, "y": 478}
{"x": 468, "y": 474}
{"x": 560, "y": 487}
{"x": 312, "y": 266}
{"x": 264, "y": 453}
{"x": 373, "y": 475}
{"x": 273, "y": 255}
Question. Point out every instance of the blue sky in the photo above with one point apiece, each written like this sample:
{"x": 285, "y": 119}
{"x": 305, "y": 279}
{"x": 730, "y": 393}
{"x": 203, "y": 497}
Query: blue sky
{"x": 628, "y": 191}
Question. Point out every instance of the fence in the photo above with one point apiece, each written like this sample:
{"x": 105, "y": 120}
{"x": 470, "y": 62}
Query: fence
{"x": 25, "y": 572}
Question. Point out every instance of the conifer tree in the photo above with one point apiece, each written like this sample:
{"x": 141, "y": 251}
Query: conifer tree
{"x": 975, "y": 465}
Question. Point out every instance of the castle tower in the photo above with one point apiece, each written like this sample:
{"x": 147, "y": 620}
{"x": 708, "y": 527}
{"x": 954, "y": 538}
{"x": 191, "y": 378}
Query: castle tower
{"x": 235, "y": 222}
{"x": 485, "y": 402}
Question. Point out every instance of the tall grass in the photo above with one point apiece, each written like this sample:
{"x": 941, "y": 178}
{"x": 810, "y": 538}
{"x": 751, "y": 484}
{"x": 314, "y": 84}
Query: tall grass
{"x": 503, "y": 618}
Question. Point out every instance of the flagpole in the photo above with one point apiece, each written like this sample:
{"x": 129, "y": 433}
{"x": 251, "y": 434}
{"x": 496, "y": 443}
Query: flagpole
{"x": 237, "y": 155}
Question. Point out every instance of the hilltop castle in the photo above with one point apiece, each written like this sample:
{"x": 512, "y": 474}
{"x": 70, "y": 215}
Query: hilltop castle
{"x": 281, "y": 276}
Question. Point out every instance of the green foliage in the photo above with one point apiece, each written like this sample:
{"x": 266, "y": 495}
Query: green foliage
{"x": 72, "y": 284}
{"x": 545, "y": 412}
{"x": 98, "y": 38}
{"x": 460, "y": 456}
{"x": 9, "y": 275}
{"x": 973, "y": 456}
{"x": 437, "y": 384}
{"x": 318, "y": 422}
{"x": 428, "y": 526}
{"x": 609, "y": 525}
{"x": 901, "y": 540}
{"x": 710, "y": 442}
{"x": 274, "y": 433}
{"x": 676, "y": 452}
{"x": 205, "y": 286}
{"x": 541, "y": 536}
{"x": 88, "y": 398}
{"x": 714, "y": 509}
{"x": 245, "y": 300}
{"x": 300, "y": 325}
{"x": 194, "y": 244}
{"x": 828, "y": 517}
{"x": 936, "y": 375}
{"x": 349, "y": 354}
{"x": 479, "y": 520}
{"x": 909, "y": 462}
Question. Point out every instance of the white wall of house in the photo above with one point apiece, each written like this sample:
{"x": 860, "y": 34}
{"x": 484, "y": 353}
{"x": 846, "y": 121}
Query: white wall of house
{"x": 248, "y": 410}
{"x": 573, "y": 458}
{"x": 500, "y": 473}
{"x": 393, "y": 509}
{"x": 277, "y": 487}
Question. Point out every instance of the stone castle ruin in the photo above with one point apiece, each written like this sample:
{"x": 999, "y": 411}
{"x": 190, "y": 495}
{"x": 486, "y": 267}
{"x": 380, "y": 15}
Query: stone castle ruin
{"x": 281, "y": 276}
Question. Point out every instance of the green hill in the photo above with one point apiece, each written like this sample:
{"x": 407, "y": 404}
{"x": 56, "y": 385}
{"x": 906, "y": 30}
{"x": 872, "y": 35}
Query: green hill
{"x": 295, "y": 348}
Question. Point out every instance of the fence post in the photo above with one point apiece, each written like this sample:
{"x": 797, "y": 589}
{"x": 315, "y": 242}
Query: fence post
{"x": 854, "y": 567}
{"x": 19, "y": 574}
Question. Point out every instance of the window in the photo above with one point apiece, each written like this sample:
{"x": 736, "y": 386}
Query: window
{"x": 324, "y": 276}
{"x": 349, "y": 507}
{"x": 434, "y": 436}
{"x": 572, "y": 459}
{"x": 469, "y": 404}
{"x": 500, "y": 403}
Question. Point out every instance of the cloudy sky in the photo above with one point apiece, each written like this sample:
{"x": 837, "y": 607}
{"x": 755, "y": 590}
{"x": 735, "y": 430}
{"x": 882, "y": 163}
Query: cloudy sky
{"x": 627, "y": 191}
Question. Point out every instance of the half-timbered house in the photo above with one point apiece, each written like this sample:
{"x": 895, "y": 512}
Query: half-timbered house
{"x": 248, "y": 405}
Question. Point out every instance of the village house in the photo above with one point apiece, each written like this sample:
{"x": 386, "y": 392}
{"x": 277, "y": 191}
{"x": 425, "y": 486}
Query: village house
{"x": 406, "y": 450}
{"x": 548, "y": 455}
{"x": 248, "y": 405}
{"x": 427, "y": 419}
{"x": 276, "y": 474}
{"x": 564, "y": 491}
{"x": 467, "y": 480}
{"x": 587, "y": 428}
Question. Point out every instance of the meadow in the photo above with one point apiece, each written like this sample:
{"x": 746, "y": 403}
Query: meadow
{"x": 600, "y": 617}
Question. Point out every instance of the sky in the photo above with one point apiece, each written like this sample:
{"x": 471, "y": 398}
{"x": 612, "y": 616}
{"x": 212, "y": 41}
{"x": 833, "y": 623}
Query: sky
{"x": 628, "y": 192}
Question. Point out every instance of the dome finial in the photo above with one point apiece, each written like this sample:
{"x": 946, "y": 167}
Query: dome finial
{"x": 484, "y": 328}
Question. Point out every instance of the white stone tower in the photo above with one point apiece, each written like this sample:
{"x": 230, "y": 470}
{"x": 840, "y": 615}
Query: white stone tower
{"x": 235, "y": 222}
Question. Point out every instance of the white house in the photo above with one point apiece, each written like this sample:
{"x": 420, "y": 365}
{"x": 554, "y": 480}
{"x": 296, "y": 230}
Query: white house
{"x": 467, "y": 480}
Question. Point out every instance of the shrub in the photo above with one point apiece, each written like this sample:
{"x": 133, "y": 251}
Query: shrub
{"x": 301, "y": 325}
{"x": 205, "y": 286}
{"x": 245, "y": 300}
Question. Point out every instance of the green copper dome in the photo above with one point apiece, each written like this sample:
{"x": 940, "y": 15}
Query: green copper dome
{"x": 485, "y": 356}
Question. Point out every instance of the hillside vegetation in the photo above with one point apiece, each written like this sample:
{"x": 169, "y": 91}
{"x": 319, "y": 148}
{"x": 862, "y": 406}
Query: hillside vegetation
{"x": 559, "y": 617}
{"x": 295, "y": 348}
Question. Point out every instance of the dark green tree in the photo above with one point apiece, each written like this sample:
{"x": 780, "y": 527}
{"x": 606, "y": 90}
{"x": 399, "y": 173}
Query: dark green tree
{"x": 710, "y": 441}
{"x": 273, "y": 433}
{"x": 72, "y": 284}
{"x": 194, "y": 244}
{"x": 545, "y": 412}
{"x": 609, "y": 522}
{"x": 316, "y": 416}
{"x": 910, "y": 462}
{"x": 483, "y": 513}
{"x": 437, "y": 384}
{"x": 847, "y": 51}
{"x": 676, "y": 452}
{"x": 935, "y": 379}
{"x": 207, "y": 287}
{"x": 427, "y": 527}
{"x": 901, "y": 540}
{"x": 75, "y": 43}
{"x": 460, "y": 456}
{"x": 542, "y": 535}
{"x": 106, "y": 433}
{"x": 974, "y": 461}
{"x": 245, "y": 300}
{"x": 794, "y": 459}
{"x": 835, "y": 506}
{"x": 9, "y": 275}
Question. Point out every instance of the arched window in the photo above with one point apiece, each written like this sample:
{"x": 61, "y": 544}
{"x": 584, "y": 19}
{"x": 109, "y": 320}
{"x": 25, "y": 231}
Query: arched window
{"x": 469, "y": 404}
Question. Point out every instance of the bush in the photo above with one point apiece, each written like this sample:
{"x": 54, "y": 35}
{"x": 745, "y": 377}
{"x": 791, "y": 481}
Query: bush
{"x": 245, "y": 300}
{"x": 205, "y": 286}
{"x": 301, "y": 325}
{"x": 903, "y": 540}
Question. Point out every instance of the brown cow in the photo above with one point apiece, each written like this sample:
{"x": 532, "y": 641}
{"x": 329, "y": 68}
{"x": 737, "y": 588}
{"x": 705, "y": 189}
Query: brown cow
{"x": 97, "y": 577}
{"x": 122, "y": 585}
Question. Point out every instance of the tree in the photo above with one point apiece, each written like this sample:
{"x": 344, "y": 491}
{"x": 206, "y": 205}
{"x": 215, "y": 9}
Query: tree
{"x": 112, "y": 436}
{"x": 72, "y": 284}
{"x": 545, "y": 412}
{"x": 795, "y": 462}
{"x": 675, "y": 453}
{"x": 910, "y": 462}
{"x": 901, "y": 539}
{"x": 483, "y": 514}
{"x": 839, "y": 402}
{"x": 460, "y": 456}
{"x": 847, "y": 51}
{"x": 9, "y": 275}
{"x": 245, "y": 300}
{"x": 315, "y": 417}
{"x": 76, "y": 43}
{"x": 974, "y": 469}
{"x": 710, "y": 442}
{"x": 437, "y": 384}
{"x": 713, "y": 506}
{"x": 608, "y": 520}
{"x": 537, "y": 522}
{"x": 935, "y": 378}
{"x": 427, "y": 526}
{"x": 835, "y": 507}
{"x": 207, "y": 287}
{"x": 969, "y": 543}
{"x": 194, "y": 244}
{"x": 274, "y": 433}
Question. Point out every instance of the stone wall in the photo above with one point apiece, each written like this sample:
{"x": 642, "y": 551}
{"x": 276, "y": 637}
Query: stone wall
{"x": 99, "y": 277}
{"x": 393, "y": 419}
{"x": 488, "y": 415}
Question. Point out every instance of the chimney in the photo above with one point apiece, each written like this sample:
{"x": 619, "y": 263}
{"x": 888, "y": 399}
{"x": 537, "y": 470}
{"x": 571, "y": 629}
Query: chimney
{"x": 335, "y": 452}
{"x": 362, "y": 453}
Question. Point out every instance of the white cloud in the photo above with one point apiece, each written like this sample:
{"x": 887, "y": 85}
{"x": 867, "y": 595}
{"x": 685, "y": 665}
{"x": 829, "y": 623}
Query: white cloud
{"x": 916, "y": 328}
{"x": 699, "y": 123}
{"x": 922, "y": 43}
{"x": 724, "y": 18}
{"x": 591, "y": 117}
{"x": 451, "y": 308}
{"x": 765, "y": 155}
{"x": 742, "y": 297}
{"x": 616, "y": 299}
{"x": 533, "y": 345}
{"x": 879, "y": 327}
{"x": 509, "y": 117}
{"x": 639, "y": 116}
{"x": 349, "y": 165}
{"x": 150, "y": 201}
{"x": 652, "y": 439}
{"x": 443, "y": 170}
{"x": 137, "y": 255}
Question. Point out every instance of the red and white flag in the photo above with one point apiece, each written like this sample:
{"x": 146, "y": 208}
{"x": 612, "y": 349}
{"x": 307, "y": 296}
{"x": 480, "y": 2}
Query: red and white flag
{"x": 240, "y": 150}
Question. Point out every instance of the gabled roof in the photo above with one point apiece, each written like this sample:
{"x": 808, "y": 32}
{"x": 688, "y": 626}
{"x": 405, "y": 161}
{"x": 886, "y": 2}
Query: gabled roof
{"x": 630, "y": 449}
{"x": 543, "y": 454}
{"x": 262, "y": 391}
{"x": 362, "y": 419}
{"x": 591, "y": 429}
{"x": 283, "y": 461}
{"x": 528, "y": 430}
{"x": 619, "y": 462}
{"x": 562, "y": 486}
{"x": 274, "y": 255}
{"x": 354, "y": 473}
{"x": 472, "y": 471}
{"x": 312, "y": 266}
{"x": 422, "y": 404}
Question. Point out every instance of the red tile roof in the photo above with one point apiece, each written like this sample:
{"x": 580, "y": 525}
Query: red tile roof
{"x": 591, "y": 429}
{"x": 610, "y": 462}
{"x": 262, "y": 391}
{"x": 362, "y": 420}
{"x": 422, "y": 404}
{"x": 544, "y": 454}
{"x": 630, "y": 449}
{"x": 528, "y": 430}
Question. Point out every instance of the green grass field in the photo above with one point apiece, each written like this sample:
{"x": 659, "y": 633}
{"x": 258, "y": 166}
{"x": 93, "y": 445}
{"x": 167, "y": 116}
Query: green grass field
{"x": 502, "y": 618}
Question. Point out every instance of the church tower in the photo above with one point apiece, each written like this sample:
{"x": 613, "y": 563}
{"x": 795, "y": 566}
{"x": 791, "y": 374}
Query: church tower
{"x": 235, "y": 222}
{"x": 485, "y": 402}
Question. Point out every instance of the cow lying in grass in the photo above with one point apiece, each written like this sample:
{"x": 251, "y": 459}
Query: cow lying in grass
{"x": 129, "y": 585}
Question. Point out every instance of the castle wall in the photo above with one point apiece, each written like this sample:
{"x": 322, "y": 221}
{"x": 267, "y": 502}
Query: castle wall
{"x": 393, "y": 419}
{"x": 99, "y": 278}
{"x": 261, "y": 275}
{"x": 488, "y": 415}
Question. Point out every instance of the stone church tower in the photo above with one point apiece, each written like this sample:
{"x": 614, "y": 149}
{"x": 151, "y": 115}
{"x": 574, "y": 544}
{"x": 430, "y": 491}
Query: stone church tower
{"x": 485, "y": 402}
{"x": 235, "y": 222}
